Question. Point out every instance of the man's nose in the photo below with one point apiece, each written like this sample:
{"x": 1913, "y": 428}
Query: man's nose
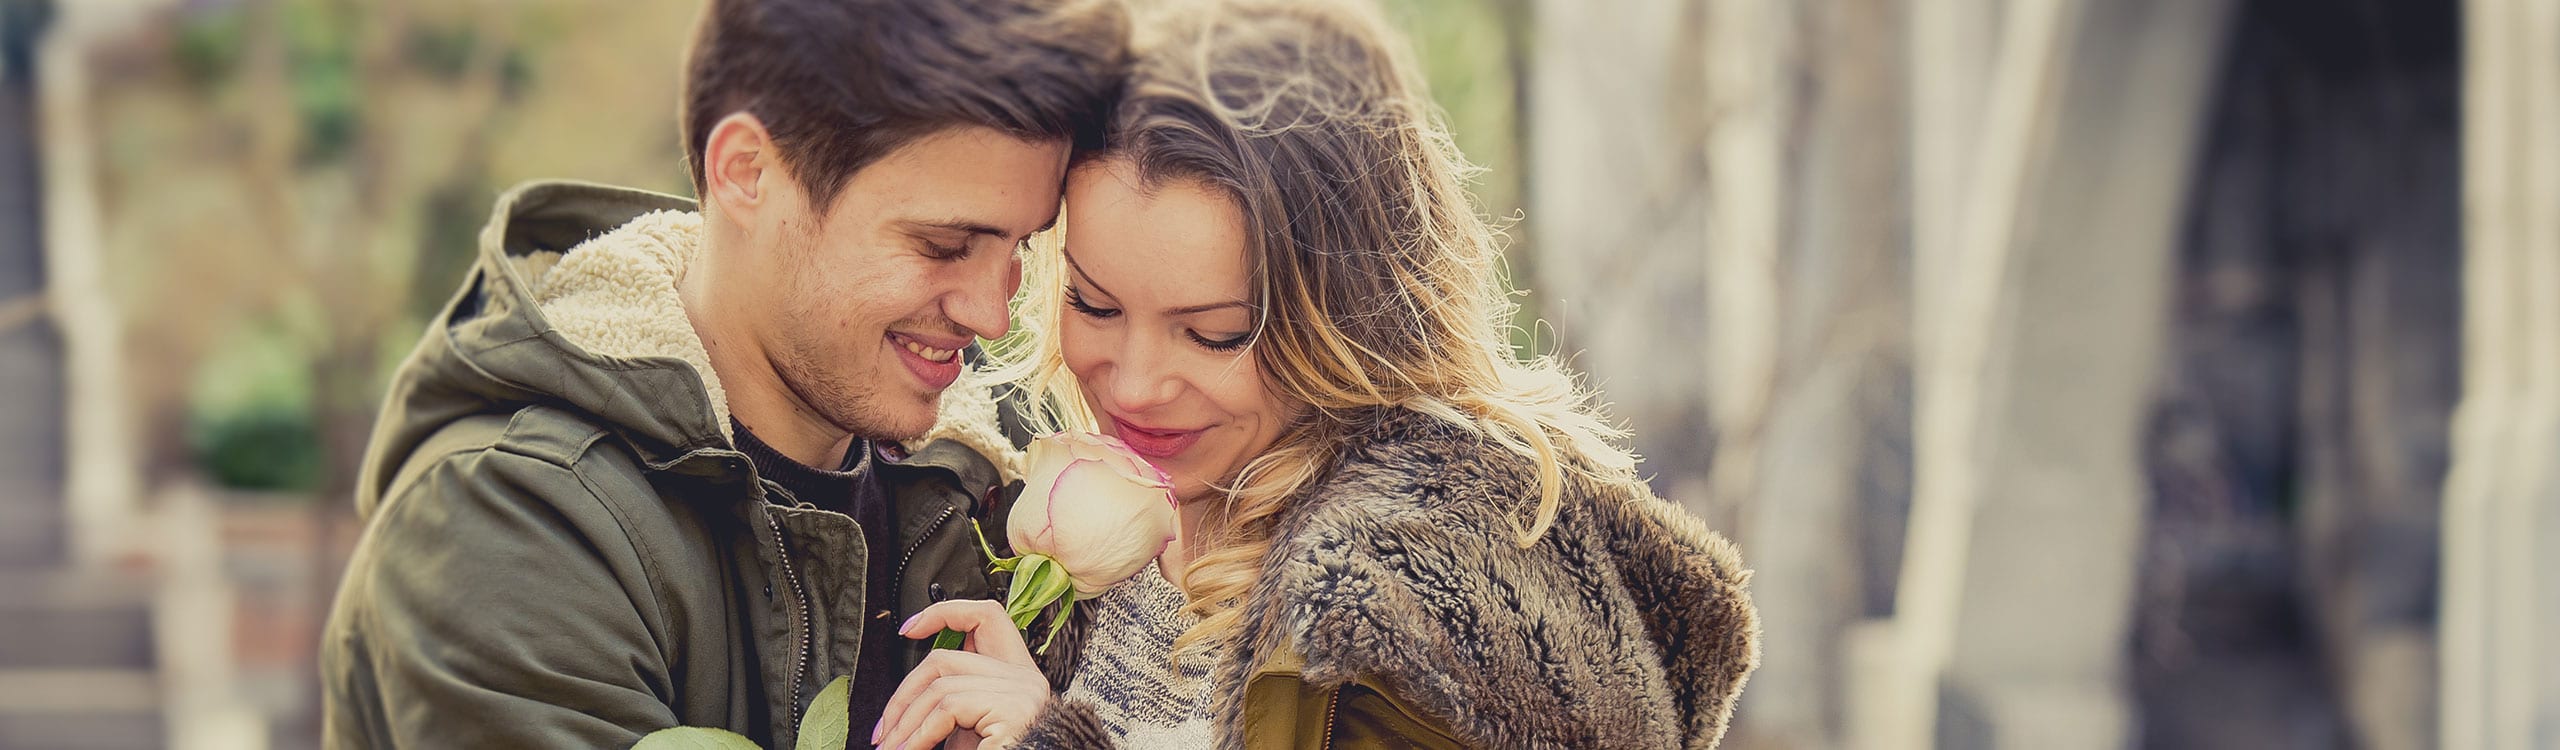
{"x": 981, "y": 304}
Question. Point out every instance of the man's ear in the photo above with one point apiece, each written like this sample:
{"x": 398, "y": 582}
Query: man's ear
{"x": 738, "y": 162}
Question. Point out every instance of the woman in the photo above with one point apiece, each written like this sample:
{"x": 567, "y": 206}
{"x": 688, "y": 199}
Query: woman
{"x": 1394, "y": 533}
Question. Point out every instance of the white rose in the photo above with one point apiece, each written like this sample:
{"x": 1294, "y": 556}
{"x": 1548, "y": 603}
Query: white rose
{"x": 1094, "y": 507}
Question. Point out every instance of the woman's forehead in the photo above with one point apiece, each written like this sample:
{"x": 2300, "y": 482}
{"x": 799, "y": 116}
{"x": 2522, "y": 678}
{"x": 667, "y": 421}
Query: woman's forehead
{"x": 1180, "y": 244}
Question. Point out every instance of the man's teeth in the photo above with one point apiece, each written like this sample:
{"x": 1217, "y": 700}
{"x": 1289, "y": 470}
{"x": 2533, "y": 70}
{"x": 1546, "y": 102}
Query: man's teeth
{"x": 930, "y": 353}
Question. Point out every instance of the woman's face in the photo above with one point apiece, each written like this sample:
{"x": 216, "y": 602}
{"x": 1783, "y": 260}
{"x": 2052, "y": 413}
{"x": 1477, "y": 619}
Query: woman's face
{"x": 1158, "y": 326}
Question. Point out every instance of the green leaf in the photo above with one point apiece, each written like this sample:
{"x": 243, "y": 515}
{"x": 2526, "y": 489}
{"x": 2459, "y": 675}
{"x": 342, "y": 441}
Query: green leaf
{"x": 824, "y": 726}
{"x": 1053, "y": 584}
{"x": 1066, "y": 607}
{"x": 1029, "y": 579}
{"x": 694, "y": 738}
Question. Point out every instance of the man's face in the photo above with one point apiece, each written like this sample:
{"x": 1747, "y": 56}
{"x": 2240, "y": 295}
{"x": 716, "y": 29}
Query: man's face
{"x": 870, "y": 303}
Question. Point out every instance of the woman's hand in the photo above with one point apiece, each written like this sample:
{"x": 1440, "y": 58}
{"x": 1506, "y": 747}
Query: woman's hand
{"x": 990, "y": 686}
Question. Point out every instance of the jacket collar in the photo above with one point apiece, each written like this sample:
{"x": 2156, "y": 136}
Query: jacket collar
{"x": 573, "y": 302}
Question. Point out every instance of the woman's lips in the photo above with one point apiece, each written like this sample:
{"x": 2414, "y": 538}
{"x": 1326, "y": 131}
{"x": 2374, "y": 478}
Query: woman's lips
{"x": 1154, "y": 443}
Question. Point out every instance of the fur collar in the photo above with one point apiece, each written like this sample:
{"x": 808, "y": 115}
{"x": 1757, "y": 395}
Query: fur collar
{"x": 615, "y": 295}
{"x": 1626, "y": 625}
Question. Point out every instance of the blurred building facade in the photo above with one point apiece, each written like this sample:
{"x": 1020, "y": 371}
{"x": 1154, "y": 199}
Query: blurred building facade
{"x": 2083, "y": 373}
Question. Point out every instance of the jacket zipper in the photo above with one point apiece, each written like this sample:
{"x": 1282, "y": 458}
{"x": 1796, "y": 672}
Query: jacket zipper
{"x": 901, "y": 573}
{"x": 1330, "y": 707}
{"x": 800, "y": 610}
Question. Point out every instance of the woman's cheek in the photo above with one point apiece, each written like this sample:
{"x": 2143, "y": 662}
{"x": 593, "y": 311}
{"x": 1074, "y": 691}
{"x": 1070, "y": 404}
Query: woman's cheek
{"x": 1075, "y": 343}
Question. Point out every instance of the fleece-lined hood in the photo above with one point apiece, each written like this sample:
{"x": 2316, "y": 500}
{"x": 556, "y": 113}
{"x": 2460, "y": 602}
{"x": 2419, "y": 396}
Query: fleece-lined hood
{"x": 573, "y": 302}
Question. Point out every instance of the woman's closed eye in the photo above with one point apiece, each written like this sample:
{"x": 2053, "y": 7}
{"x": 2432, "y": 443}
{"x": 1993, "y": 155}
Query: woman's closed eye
{"x": 1212, "y": 342}
{"x": 1075, "y": 299}
{"x": 1227, "y": 343}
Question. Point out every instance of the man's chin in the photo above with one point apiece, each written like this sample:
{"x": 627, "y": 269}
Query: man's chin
{"x": 905, "y": 422}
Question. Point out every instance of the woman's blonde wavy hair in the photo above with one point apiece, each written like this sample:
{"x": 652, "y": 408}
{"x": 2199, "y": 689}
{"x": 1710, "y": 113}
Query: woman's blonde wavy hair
{"x": 1375, "y": 276}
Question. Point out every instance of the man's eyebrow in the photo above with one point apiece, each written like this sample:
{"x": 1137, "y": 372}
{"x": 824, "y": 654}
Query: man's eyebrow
{"x": 964, "y": 226}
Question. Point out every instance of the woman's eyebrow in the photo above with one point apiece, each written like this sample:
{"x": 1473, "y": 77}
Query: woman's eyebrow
{"x": 1080, "y": 274}
{"x": 1087, "y": 278}
{"x": 1194, "y": 309}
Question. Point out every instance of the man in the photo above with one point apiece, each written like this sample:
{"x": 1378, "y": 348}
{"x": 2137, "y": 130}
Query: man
{"x": 644, "y": 471}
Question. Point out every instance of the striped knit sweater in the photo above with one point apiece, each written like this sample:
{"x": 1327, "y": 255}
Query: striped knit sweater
{"x": 1127, "y": 675}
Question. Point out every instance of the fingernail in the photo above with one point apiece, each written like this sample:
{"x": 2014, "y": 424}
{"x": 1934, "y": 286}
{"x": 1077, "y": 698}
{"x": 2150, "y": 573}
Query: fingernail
{"x": 910, "y": 623}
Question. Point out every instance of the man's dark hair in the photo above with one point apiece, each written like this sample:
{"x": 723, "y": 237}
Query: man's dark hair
{"x": 841, "y": 83}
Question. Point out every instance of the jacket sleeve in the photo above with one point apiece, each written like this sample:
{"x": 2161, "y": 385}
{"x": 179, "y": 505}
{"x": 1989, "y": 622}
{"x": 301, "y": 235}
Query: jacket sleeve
{"x": 495, "y": 602}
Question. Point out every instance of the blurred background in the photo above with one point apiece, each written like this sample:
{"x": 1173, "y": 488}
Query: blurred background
{"x": 2074, "y": 373}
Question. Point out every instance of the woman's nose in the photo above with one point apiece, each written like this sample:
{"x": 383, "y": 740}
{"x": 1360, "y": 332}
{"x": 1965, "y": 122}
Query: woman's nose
{"x": 1143, "y": 378}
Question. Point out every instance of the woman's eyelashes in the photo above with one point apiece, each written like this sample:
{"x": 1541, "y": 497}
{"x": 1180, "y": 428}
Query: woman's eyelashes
{"x": 1075, "y": 299}
{"x": 1227, "y": 344}
{"x": 1077, "y": 302}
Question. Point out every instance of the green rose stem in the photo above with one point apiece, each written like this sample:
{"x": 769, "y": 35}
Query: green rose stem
{"x": 1038, "y": 581}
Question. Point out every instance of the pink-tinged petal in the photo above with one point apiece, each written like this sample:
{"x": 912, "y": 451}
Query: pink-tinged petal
{"x": 1127, "y": 462}
{"x": 1049, "y": 532}
{"x": 1113, "y": 527}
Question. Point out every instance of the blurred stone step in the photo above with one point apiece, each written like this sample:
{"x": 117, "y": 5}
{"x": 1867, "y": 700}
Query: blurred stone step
{"x": 32, "y": 534}
{"x": 80, "y": 709}
{"x": 56, "y": 620}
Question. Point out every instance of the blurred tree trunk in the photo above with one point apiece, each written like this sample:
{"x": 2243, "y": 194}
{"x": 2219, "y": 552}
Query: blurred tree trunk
{"x": 1819, "y": 462}
{"x": 1617, "y": 218}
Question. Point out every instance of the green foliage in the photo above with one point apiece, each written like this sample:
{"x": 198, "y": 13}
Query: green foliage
{"x": 250, "y": 412}
{"x": 321, "y": 58}
{"x": 447, "y": 52}
{"x": 442, "y": 52}
{"x": 208, "y": 45}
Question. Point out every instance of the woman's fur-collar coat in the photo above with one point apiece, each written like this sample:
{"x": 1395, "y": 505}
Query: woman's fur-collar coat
{"x": 1626, "y": 626}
